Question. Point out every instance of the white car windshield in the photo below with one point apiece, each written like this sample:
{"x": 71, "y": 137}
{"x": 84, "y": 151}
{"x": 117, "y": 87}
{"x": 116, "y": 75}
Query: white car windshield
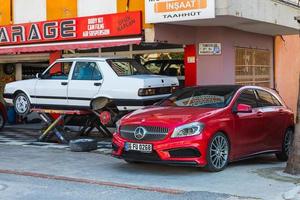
{"x": 127, "y": 67}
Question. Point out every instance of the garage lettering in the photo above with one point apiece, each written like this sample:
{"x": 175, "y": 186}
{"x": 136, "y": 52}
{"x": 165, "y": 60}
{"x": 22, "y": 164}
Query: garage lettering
{"x": 3, "y": 35}
{"x": 38, "y": 31}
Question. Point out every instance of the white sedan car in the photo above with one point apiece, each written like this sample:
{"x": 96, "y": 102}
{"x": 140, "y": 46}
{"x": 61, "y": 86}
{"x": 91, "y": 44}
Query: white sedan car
{"x": 90, "y": 83}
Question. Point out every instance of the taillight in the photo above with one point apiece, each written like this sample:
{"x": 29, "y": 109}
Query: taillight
{"x": 157, "y": 91}
{"x": 147, "y": 92}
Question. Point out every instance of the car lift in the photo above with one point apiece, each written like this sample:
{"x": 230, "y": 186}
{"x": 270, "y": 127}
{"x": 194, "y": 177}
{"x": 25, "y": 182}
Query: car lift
{"x": 55, "y": 125}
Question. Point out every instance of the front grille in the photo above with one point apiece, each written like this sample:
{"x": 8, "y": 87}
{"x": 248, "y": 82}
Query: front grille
{"x": 153, "y": 132}
{"x": 184, "y": 153}
{"x": 139, "y": 156}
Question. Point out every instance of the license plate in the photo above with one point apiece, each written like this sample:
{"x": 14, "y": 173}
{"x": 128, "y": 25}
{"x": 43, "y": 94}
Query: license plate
{"x": 145, "y": 148}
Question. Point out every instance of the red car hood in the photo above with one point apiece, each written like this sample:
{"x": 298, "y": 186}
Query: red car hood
{"x": 168, "y": 117}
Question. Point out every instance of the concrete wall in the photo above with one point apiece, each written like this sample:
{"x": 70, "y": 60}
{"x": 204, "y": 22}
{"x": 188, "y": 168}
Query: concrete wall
{"x": 214, "y": 69}
{"x": 287, "y": 68}
{"x": 221, "y": 69}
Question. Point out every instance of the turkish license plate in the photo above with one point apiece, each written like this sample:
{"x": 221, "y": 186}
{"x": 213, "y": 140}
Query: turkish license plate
{"x": 145, "y": 148}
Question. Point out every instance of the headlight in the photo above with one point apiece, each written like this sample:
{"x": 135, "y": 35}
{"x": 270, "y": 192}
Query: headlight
{"x": 186, "y": 130}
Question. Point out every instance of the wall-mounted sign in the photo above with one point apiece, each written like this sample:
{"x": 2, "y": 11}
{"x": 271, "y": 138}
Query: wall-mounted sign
{"x": 158, "y": 11}
{"x": 208, "y": 49}
{"x": 82, "y": 28}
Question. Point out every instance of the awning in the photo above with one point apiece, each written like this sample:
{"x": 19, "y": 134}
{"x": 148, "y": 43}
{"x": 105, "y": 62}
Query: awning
{"x": 68, "y": 45}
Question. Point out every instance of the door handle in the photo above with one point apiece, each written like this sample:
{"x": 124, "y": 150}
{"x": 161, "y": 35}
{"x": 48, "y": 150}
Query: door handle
{"x": 97, "y": 84}
{"x": 260, "y": 114}
{"x": 64, "y": 83}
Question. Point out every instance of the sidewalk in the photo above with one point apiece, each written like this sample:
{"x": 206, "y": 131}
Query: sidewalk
{"x": 251, "y": 179}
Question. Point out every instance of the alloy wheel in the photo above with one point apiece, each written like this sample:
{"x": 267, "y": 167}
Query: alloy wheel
{"x": 21, "y": 104}
{"x": 288, "y": 141}
{"x": 219, "y": 152}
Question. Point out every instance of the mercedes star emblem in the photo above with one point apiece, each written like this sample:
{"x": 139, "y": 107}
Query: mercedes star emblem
{"x": 139, "y": 133}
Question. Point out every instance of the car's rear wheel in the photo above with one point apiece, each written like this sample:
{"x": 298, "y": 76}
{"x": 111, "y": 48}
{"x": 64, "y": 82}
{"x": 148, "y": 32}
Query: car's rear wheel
{"x": 21, "y": 104}
{"x": 284, "y": 154}
{"x": 218, "y": 153}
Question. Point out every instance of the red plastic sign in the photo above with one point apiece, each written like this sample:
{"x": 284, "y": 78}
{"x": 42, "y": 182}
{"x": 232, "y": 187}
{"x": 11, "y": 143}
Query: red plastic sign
{"x": 82, "y": 28}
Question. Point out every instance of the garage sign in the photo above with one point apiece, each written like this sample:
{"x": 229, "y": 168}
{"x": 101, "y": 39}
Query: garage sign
{"x": 82, "y": 28}
{"x": 158, "y": 11}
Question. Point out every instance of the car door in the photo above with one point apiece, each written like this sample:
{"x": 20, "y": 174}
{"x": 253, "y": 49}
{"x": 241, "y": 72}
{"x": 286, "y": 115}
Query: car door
{"x": 51, "y": 88}
{"x": 273, "y": 118}
{"x": 85, "y": 83}
{"x": 248, "y": 126}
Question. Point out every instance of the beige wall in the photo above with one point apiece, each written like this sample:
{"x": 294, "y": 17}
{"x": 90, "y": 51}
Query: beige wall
{"x": 287, "y": 68}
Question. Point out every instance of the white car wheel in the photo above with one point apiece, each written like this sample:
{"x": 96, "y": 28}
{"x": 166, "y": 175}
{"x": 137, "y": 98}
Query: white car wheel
{"x": 21, "y": 104}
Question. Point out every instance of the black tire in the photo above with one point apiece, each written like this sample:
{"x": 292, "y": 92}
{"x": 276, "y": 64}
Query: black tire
{"x": 218, "y": 155}
{"x": 83, "y": 145}
{"x": 286, "y": 144}
{"x": 22, "y": 104}
{"x": 2, "y": 121}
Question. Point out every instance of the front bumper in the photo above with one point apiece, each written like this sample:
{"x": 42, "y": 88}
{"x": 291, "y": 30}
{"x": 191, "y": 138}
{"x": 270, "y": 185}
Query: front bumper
{"x": 8, "y": 98}
{"x": 191, "y": 152}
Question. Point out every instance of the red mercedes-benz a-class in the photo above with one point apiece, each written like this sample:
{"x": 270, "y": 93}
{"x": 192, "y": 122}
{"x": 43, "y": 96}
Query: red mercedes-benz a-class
{"x": 207, "y": 126}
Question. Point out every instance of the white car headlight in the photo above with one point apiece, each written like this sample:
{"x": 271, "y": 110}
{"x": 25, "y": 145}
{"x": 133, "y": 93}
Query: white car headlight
{"x": 186, "y": 130}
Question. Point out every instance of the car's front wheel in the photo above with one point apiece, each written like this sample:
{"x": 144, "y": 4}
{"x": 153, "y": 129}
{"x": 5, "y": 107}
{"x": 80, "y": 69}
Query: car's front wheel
{"x": 284, "y": 154}
{"x": 21, "y": 104}
{"x": 218, "y": 153}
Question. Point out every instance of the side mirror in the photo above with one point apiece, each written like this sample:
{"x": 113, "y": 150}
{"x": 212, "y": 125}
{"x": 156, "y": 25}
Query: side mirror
{"x": 243, "y": 108}
{"x": 38, "y": 75}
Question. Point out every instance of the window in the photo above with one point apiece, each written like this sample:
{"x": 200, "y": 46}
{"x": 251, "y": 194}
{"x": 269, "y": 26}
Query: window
{"x": 127, "y": 67}
{"x": 174, "y": 70}
{"x": 266, "y": 99}
{"x": 253, "y": 67}
{"x": 204, "y": 97}
{"x": 86, "y": 71}
{"x": 59, "y": 71}
{"x": 154, "y": 67}
{"x": 247, "y": 97}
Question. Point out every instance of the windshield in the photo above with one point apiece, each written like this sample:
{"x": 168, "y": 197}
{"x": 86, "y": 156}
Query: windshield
{"x": 204, "y": 97}
{"x": 127, "y": 67}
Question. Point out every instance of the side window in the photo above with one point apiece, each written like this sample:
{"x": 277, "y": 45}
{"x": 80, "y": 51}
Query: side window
{"x": 265, "y": 99}
{"x": 247, "y": 97}
{"x": 277, "y": 103}
{"x": 86, "y": 71}
{"x": 59, "y": 71}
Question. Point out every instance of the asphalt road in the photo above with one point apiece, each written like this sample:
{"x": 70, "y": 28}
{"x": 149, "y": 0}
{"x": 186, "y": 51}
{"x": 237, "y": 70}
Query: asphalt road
{"x": 29, "y": 173}
{"x": 14, "y": 187}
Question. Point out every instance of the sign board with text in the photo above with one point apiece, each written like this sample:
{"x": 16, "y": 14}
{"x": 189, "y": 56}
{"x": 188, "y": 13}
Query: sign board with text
{"x": 159, "y": 11}
{"x": 81, "y": 28}
{"x": 209, "y": 49}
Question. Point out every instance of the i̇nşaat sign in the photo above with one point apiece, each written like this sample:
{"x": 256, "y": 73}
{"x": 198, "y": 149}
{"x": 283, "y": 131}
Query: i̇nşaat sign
{"x": 159, "y": 11}
{"x": 81, "y": 28}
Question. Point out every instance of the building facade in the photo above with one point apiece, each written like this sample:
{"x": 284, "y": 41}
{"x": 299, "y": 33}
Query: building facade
{"x": 222, "y": 41}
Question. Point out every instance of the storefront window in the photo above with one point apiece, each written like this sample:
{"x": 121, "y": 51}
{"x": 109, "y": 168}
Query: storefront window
{"x": 253, "y": 67}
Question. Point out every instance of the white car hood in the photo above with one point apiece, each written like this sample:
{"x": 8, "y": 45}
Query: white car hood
{"x": 20, "y": 85}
